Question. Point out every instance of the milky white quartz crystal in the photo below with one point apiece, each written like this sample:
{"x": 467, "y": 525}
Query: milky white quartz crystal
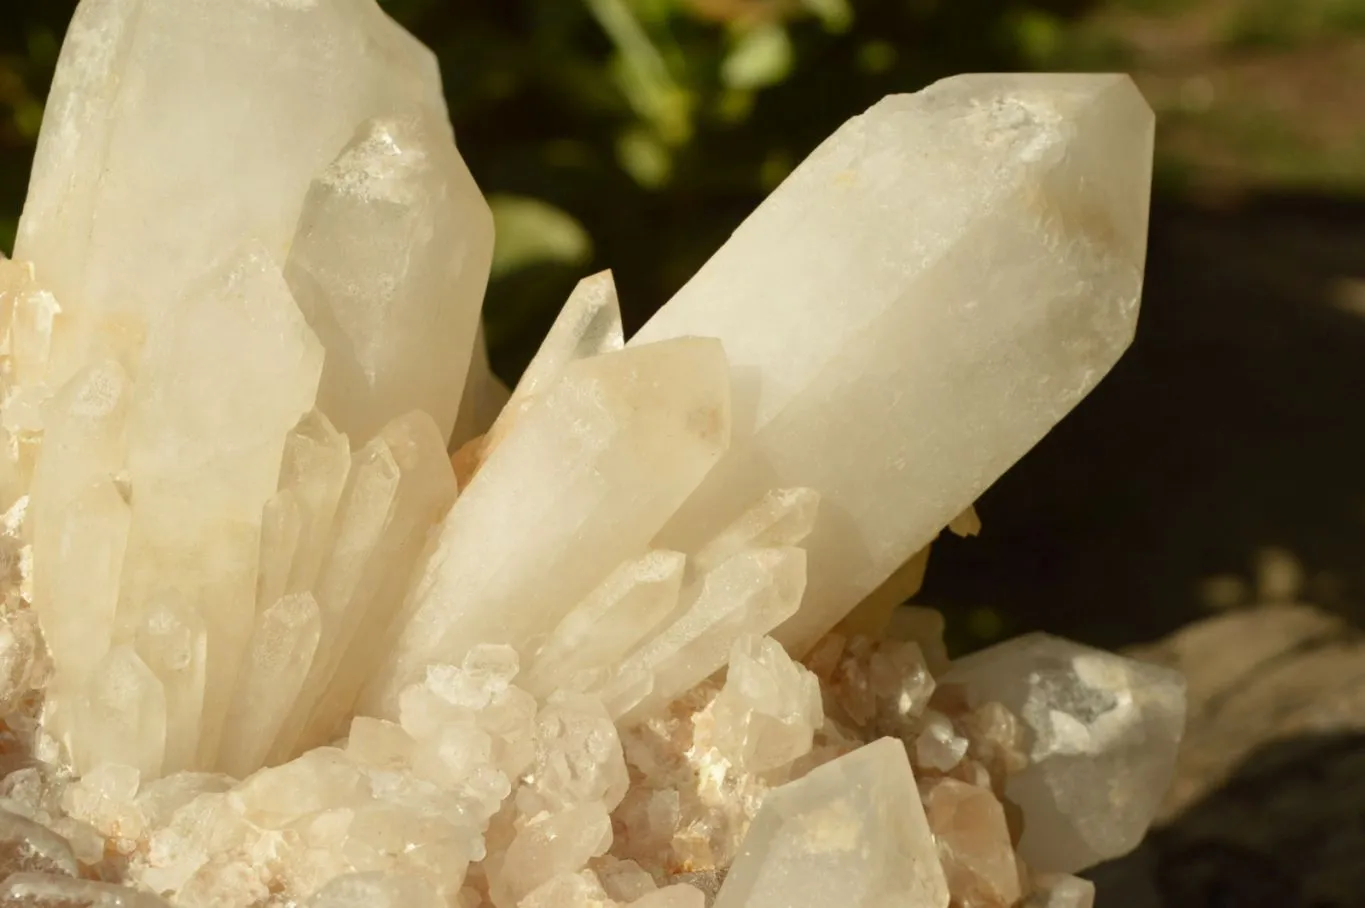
{"x": 266, "y": 643}
{"x": 390, "y": 231}
{"x": 953, "y": 271}
{"x": 155, "y": 103}
{"x": 852, "y": 832}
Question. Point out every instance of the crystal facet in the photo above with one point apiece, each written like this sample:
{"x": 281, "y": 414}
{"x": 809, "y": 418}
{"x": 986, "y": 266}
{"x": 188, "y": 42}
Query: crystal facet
{"x": 852, "y": 832}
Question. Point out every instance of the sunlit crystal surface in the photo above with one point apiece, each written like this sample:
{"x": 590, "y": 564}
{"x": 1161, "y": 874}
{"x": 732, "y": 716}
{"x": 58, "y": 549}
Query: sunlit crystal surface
{"x": 852, "y": 832}
{"x": 929, "y": 337}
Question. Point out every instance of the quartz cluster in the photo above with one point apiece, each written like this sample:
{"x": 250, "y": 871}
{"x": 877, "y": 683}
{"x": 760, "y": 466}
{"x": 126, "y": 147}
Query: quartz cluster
{"x": 265, "y": 643}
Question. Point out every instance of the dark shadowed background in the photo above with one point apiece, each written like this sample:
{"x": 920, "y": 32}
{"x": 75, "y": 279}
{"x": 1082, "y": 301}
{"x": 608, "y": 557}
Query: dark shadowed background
{"x": 1222, "y": 464}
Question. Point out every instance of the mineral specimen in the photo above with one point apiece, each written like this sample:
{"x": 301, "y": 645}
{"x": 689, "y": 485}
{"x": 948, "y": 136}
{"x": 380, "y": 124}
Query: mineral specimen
{"x": 1104, "y": 732}
{"x": 264, "y": 643}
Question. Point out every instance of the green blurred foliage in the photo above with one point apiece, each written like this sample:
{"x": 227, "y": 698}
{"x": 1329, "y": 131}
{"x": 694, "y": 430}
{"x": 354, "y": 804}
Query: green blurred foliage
{"x": 630, "y": 134}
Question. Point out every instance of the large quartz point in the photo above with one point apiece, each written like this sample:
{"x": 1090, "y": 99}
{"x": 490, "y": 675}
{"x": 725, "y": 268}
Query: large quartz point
{"x": 583, "y": 481}
{"x": 852, "y": 832}
{"x": 178, "y": 129}
{"x": 389, "y": 266}
{"x": 1104, "y": 732}
{"x": 915, "y": 307}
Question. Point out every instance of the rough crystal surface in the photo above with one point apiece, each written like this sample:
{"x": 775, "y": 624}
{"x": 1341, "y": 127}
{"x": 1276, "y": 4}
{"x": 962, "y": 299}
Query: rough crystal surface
{"x": 1104, "y": 732}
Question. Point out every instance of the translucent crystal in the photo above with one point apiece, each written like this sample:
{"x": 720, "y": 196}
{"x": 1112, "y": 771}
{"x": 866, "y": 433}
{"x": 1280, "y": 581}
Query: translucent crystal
{"x": 677, "y": 896}
{"x": 588, "y": 325}
{"x": 154, "y": 102}
{"x": 624, "y": 881}
{"x": 172, "y": 640}
{"x": 752, "y": 593}
{"x": 769, "y": 710}
{"x": 1104, "y": 732}
{"x": 426, "y": 489}
{"x": 278, "y": 658}
{"x": 1060, "y": 891}
{"x": 377, "y": 890}
{"x": 281, "y": 527}
{"x": 320, "y": 779}
{"x": 924, "y": 627}
{"x": 567, "y": 890}
{"x": 362, "y": 516}
{"x": 105, "y": 797}
{"x": 549, "y": 846}
{"x": 782, "y": 517}
{"x": 938, "y": 745}
{"x": 317, "y": 461}
{"x": 28, "y": 312}
{"x": 973, "y": 843}
{"x": 578, "y": 758}
{"x": 851, "y": 832}
{"x": 610, "y": 622}
{"x": 389, "y": 265}
{"x": 84, "y": 440}
{"x": 930, "y": 336}
{"x": 75, "y": 594}
{"x": 121, "y": 716}
{"x": 159, "y": 799}
{"x": 206, "y": 440}
{"x": 37, "y": 890}
{"x": 27, "y": 847}
{"x": 582, "y": 483}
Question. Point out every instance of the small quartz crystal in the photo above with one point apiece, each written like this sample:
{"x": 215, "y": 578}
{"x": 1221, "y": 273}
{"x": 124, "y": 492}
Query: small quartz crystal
{"x": 1104, "y": 732}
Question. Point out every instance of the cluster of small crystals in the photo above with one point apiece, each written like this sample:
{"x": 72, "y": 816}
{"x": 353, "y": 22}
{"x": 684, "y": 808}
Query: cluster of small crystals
{"x": 484, "y": 795}
{"x": 264, "y": 643}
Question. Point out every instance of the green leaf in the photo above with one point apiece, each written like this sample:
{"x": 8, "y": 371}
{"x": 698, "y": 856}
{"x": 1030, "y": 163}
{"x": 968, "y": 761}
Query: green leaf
{"x": 644, "y": 157}
{"x": 533, "y": 232}
{"x": 761, "y": 56}
{"x": 837, "y": 15}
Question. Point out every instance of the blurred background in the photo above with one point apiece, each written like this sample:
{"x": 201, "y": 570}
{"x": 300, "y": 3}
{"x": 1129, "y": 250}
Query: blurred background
{"x": 1222, "y": 464}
